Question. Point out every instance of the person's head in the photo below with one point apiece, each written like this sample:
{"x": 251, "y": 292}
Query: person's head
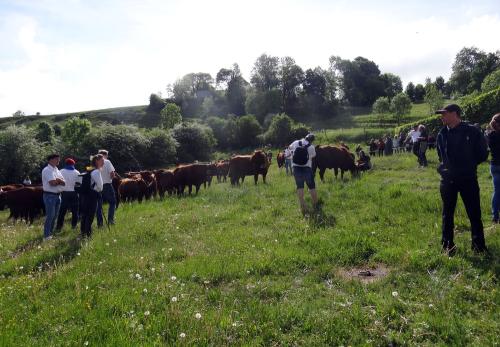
{"x": 450, "y": 115}
{"x": 53, "y": 159}
{"x": 421, "y": 127}
{"x": 310, "y": 138}
{"x": 70, "y": 162}
{"x": 104, "y": 153}
{"x": 495, "y": 122}
{"x": 97, "y": 161}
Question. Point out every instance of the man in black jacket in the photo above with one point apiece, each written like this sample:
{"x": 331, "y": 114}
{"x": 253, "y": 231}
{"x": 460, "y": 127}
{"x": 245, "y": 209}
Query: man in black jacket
{"x": 461, "y": 148}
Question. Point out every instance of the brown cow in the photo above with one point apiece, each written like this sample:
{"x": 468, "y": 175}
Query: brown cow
{"x": 280, "y": 159}
{"x": 24, "y": 203}
{"x": 189, "y": 175}
{"x": 149, "y": 178}
{"x": 131, "y": 189}
{"x": 222, "y": 169}
{"x": 332, "y": 157}
{"x": 248, "y": 165}
{"x": 165, "y": 182}
{"x": 10, "y": 187}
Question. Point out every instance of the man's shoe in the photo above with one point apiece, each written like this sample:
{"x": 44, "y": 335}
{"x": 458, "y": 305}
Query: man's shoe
{"x": 480, "y": 249}
{"x": 48, "y": 238}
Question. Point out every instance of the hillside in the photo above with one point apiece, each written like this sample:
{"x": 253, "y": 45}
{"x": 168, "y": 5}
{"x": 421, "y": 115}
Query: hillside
{"x": 257, "y": 272}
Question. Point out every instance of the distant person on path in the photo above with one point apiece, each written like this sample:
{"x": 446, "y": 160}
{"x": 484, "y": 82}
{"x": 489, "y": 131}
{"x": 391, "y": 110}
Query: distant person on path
{"x": 388, "y": 150}
{"x": 422, "y": 146}
{"x": 373, "y": 147}
{"x": 493, "y": 137}
{"x": 53, "y": 183}
{"x": 108, "y": 193}
{"x": 27, "y": 181}
{"x": 69, "y": 198}
{"x": 288, "y": 161}
{"x": 302, "y": 154}
{"x": 90, "y": 191}
{"x": 381, "y": 147}
{"x": 413, "y": 136}
{"x": 461, "y": 148}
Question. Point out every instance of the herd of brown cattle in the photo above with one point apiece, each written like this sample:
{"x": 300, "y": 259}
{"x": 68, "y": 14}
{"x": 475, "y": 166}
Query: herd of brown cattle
{"x": 26, "y": 202}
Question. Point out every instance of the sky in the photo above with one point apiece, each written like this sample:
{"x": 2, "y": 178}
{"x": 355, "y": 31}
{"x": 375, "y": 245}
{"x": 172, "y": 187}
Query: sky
{"x": 74, "y": 55}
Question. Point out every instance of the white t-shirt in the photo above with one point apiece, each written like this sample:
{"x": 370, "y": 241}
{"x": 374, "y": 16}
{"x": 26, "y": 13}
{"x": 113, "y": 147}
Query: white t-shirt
{"x": 288, "y": 154}
{"x": 310, "y": 150}
{"x": 106, "y": 171}
{"x": 96, "y": 181}
{"x": 414, "y": 134}
{"x": 70, "y": 177}
{"x": 51, "y": 173}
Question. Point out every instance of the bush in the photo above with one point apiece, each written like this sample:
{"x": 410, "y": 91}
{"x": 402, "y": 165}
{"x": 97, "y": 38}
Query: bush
{"x": 284, "y": 130}
{"x": 21, "y": 154}
{"x": 491, "y": 82}
{"x": 299, "y": 131}
{"x": 125, "y": 143}
{"x": 196, "y": 142}
{"x": 170, "y": 116}
{"x": 248, "y": 128}
{"x": 161, "y": 150}
{"x": 74, "y": 132}
{"x": 483, "y": 107}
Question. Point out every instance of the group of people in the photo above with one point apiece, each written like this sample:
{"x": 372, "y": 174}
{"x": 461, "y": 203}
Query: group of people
{"x": 461, "y": 147}
{"x": 82, "y": 194}
{"x": 418, "y": 140}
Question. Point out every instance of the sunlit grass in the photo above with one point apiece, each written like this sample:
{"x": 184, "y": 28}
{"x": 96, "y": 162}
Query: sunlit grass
{"x": 258, "y": 272}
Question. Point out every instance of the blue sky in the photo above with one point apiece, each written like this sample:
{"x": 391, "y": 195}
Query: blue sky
{"x": 61, "y": 56}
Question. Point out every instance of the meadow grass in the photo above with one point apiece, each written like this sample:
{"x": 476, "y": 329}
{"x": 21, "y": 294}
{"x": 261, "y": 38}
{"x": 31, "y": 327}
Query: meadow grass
{"x": 257, "y": 271}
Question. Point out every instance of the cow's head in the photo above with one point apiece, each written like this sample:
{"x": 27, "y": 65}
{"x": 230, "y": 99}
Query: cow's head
{"x": 259, "y": 160}
{"x": 3, "y": 199}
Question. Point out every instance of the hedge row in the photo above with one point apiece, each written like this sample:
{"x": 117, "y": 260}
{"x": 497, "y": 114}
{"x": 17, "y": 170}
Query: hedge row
{"x": 476, "y": 110}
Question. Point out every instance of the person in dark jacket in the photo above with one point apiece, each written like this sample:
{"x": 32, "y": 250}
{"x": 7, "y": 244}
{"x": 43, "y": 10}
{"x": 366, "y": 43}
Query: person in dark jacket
{"x": 422, "y": 145}
{"x": 461, "y": 148}
{"x": 493, "y": 138}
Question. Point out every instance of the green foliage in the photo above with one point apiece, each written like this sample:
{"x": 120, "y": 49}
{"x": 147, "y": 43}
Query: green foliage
{"x": 20, "y": 154}
{"x": 410, "y": 91}
{"x": 433, "y": 124}
{"x": 263, "y": 103}
{"x": 44, "y": 132}
{"x": 152, "y": 118}
{"x": 161, "y": 149}
{"x": 265, "y": 73}
{"x": 419, "y": 93}
{"x": 196, "y": 142}
{"x": 18, "y": 114}
{"x": 481, "y": 108}
{"x": 284, "y": 130}
{"x": 400, "y": 106}
{"x": 434, "y": 98}
{"x": 382, "y": 105}
{"x": 125, "y": 143}
{"x": 57, "y": 130}
{"x": 170, "y": 115}
{"x": 235, "y": 91}
{"x": 392, "y": 84}
{"x": 74, "y": 132}
{"x": 491, "y": 82}
{"x": 248, "y": 130}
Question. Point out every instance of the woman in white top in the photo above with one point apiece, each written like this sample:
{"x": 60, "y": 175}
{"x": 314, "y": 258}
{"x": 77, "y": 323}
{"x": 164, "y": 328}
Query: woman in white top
{"x": 90, "y": 195}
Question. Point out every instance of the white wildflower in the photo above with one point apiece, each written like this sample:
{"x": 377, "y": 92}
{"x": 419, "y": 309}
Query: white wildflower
{"x": 182, "y": 335}
{"x": 145, "y": 290}
{"x": 173, "y": 278}
{"x": 138, "y": 276}
{"x": 395, "y": 294}
{"x": 146, "y": 313}
{"x": 174, "y": 299}
{"x": 197, "y": 315}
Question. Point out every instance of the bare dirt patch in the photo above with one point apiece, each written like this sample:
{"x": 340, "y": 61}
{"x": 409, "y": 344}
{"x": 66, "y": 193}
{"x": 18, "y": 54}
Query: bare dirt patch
{"x": 365, "y": 274}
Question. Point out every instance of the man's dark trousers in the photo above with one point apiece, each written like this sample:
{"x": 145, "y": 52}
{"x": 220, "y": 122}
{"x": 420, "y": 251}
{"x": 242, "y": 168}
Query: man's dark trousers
{"x": 69, "y": 201}
{"x": 469, "y": 191}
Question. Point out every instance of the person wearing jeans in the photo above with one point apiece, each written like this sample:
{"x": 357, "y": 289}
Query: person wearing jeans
{"x": 53, "y": 183}
{"x": 108, "y": 193}
{"x": 493, "y": 137}
{"x": 461, "y": 148}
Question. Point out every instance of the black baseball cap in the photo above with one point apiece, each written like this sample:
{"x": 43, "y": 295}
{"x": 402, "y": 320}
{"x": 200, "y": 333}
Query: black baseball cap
{"x": 310, "y": 137}
{"x": 450, "y": 108}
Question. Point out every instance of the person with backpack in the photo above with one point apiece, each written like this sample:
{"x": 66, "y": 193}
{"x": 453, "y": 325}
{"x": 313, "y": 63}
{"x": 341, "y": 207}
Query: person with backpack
{"x": 302, "y": 154}
{"x": 108, "y": 193}
{"x": 69, "y": 198}
{"x": 90, "y": 191}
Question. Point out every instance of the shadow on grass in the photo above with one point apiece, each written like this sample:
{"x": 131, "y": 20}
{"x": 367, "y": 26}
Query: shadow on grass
{"x": 63, "y": 251}
{"x": 486, "y": 261}
{"x": 319, "y": 219}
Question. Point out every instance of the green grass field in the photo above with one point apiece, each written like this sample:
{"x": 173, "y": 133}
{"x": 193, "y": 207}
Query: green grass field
{"x": 257, "y": 272}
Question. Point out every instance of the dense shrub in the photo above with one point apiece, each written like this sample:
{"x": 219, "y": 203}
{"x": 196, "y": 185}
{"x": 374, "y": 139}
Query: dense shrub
{"x": 483, "y": 107}
{"x": 125, "y": 144}
{"x": 196, "y": 142}
{"x": 248, "y": 128}
{"x": 20, "y": 154}
{"x": 161, "y": 150}
{"x": 284, "y": 130}
{"x": 491, "y": 82}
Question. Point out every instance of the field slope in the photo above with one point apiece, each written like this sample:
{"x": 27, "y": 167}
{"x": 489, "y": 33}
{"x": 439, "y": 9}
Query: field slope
{"x": 257, "y": 272}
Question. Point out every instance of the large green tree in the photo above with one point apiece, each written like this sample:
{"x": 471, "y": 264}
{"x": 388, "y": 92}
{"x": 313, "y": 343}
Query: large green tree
{"x": 234, "y": 89}
{"x": 410, "y": 91}
{"x": 492, "y": 81}
{"x": 392, "y": 84}
{"x": 434, "y": 98}
{"x": 291, "y": 77}
{"x": 400, "y": 106}
{"x": 170, "y": 116}
{"x": 74, "y": 131}
{"x": 265, "y": 73}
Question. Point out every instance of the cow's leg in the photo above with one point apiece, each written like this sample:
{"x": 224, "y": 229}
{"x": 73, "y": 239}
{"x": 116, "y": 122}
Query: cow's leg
{"x": 342, "y": 174}
{"x": 242, "y": 179}
{"x": 197, "y": 188}
{"x": 336, "y": 170}
{"x": 256, "y": 178}
{"x": 264, "y": 178}
{"x": 322, "y": 174}
{"x": 190, "y": 189}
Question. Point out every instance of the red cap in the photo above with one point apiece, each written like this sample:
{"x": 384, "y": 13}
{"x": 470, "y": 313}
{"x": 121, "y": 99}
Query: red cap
{"x": 70, "y": 161}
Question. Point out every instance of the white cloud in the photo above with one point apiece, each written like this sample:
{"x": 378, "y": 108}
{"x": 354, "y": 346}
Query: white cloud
{"x": 79, "y": 57}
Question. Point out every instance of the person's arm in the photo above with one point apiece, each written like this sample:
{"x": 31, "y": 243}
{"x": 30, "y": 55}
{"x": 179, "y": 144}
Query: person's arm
{"x": 481, "y": 148}
{"x": 112, "y": 171}
{"x": 438, "y": 148}
{"x": 312, "y": 152}
{"x": 49, "y": 177}
{"x": 96, "y": 175}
